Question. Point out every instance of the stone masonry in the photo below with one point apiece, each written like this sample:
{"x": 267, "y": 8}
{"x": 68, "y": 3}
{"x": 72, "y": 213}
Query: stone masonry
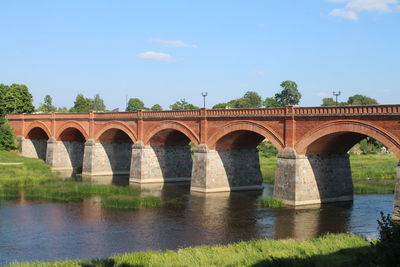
{"x": 396, "y": 202}
{"x": 160, "y": 164}
{"x": 312, "y": 179}
{"x": 106, "y": 159}
{"x": 65, "y": 156}
{"x": 226, "y": 170}
{"x": 33, "y": 148}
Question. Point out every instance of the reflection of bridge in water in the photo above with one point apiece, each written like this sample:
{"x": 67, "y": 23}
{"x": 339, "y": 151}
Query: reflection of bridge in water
{"x": 153, "y": 146}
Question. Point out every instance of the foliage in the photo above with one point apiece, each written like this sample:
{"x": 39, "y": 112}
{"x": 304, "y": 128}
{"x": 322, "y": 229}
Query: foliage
{"x": 331, "y": 249}
{"x": 271, "y": 102}
{"x": 63, "y": 110}
{"x": 266, "y": 149}
{"x": 355, "y": 100}
{"x": 249, "y": 100}
{"x": 135, "y": 104}
{"x": 388, "y": 246}
{"x": 47, "y": 105}
{"x": 329, "y": 102}
{"x": 373, "y": 186}
{"x": 361, "y": 100}
{"x": 182, "y": 104}
{"x": 98, "y": 103}
{"x": 82, "y": 104}
{"x": 156, "y": 107}
{"x": 220, "y": 106}
{"x": 270, "y": 202}
{"x": 15, "y": 99}
{"x": 7, "y": 136}
{"x": 289, "y": 95}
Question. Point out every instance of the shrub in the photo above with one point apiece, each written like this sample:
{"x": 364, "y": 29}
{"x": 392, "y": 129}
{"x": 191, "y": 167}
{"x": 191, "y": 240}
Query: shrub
{"x": 388, "y": 246}
{"x": 7, "y": 136}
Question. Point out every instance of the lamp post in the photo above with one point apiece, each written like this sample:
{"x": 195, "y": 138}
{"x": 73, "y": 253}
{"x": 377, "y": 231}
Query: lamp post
{"x": 204, "y": 98}
{"x": 336, "y": 95}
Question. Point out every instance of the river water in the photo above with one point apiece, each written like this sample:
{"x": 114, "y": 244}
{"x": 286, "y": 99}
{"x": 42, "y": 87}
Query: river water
{"x": 43, "y": 231}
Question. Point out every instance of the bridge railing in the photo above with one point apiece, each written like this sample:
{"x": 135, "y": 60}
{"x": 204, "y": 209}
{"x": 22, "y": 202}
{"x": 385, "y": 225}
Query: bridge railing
{"x": 292, "y": 110}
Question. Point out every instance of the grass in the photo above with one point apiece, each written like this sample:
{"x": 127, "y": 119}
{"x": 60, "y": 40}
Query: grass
{"x": 372, "y": 174}
{"x": 331, "y": 249}
{"x": 35, "y": 179}
{"x": 270, "y": 202}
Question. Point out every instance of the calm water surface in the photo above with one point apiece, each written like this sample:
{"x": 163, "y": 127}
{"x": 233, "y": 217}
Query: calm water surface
{"x": 40, "y": 231}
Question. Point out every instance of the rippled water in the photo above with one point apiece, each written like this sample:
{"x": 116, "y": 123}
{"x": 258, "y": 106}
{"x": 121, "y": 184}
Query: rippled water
{"x": 40, "y": 231}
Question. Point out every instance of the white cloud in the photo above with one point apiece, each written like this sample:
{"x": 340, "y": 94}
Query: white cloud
{"x": 353, "y": 7}
{"x": 257, "y": 74}
{"x": 346, "y": 14}
{"x": 176, "y": 43}
{"x": 156, "y": 56}
{"x": 323, "y": 94}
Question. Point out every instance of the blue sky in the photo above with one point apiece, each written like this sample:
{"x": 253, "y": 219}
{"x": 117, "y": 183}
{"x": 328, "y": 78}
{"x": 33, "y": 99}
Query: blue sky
{"x": 162, "y": 51}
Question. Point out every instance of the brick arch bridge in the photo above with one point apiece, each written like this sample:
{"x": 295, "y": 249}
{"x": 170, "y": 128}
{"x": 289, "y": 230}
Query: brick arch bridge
{"x": 155, "y": 146}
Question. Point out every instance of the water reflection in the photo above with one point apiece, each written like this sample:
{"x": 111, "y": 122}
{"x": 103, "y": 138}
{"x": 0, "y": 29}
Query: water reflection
{"x": 53, "y": 231}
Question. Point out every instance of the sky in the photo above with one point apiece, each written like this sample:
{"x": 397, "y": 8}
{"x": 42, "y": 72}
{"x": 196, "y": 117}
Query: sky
{"x": 164, "y": 51}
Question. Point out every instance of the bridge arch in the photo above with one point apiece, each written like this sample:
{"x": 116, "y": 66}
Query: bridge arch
{"x": 72, "y": 125}
{"x": 249, "y": 127}
{"x": 37, "y": 124}
{"x": 339, "y": 136}
{"x": 117, "y": 125}
{"x": 168, "y": 128}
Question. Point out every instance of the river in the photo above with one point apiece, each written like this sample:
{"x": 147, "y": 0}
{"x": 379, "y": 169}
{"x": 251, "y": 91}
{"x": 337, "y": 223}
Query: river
{"x": 43, "y": 231}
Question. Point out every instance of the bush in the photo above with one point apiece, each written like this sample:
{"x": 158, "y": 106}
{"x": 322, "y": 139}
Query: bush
{"x": 7, "y": 136}
{"x": 388, "y": 246}
{"x": 266, "y": 149}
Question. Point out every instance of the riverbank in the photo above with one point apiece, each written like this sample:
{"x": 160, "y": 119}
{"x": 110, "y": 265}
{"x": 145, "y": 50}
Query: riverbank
{"x": 372, "y": 174}
{"x": 331, "y": 249}
{"x": 34, "y": 180}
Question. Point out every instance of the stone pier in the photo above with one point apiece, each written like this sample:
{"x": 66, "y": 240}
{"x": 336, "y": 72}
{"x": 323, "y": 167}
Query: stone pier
{"x": 159, "y": 164}
{"x": 106, "y": 159}
{"x": 65, "y": 156}
{"x": 33, "y": 148}
{"x": 312, "y": 179}
{"x": 396, "y": 202}
{"x": 225, "y": 170}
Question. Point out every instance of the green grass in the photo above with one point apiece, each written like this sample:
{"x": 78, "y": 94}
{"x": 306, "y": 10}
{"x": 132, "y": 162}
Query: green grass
{"x": 372, "y": 174}
{"x": 270, "y": 202}
{"x": 36, "y": 181}
{"x": 329, "y": 250}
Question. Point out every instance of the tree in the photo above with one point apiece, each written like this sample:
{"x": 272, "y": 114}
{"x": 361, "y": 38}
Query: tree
{"x": 361, "y": 100}
{"x": 289, "y": 95}
{"x": 156, "y": 107}
{"x": 182, "y": 104}
{"x": 252, "y": 100}
{"x": 270, "y": 102}
{"x": 98, "y": 103}
{"x": 47, "y": 105}
{"x": 15, "y": 99}
{"x": 82, "y": 104}
{"x": 220, "y": 106}
{"x": 7, "y": 136}
{"x": 63, "y": 110}
{"x": 135, "y": 104}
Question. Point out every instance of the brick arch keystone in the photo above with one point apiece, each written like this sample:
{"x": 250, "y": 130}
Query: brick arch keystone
{"x": 268, "y": 133}
{"x": 173, "y": 125}
{"x": 119, "y": 126}
{"x": 360, "y": 127}
{"x": 72, "y": 124}
{"x": 37, "y": 124}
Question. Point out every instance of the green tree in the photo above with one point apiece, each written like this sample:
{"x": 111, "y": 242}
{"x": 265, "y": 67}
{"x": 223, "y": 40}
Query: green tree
{"x": 252, "y": 100}
{"x": 63, "y": 110}
{"x": 15, "y": 99}
{"x": 361, "y": 100}
{"x": 271, "y": 102}
{"x": 156, "y": 107}
{"x": 135, "y": 104}
{"x": 182, "y": 104}
{"x": 7, "y": 136}
{"x": 47, "y": 105}
{"x": 98, "y": 103}
{"x": 289, "y": 95}
{"x": 82, "y": 104}
{"x": 220, "y": 106}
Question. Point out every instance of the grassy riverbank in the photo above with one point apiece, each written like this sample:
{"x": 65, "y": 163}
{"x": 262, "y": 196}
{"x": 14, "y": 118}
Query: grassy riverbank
{"x": 329, "y": 250}
{"x": 372, "y": 174}
{"x": 35, "y": 181}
